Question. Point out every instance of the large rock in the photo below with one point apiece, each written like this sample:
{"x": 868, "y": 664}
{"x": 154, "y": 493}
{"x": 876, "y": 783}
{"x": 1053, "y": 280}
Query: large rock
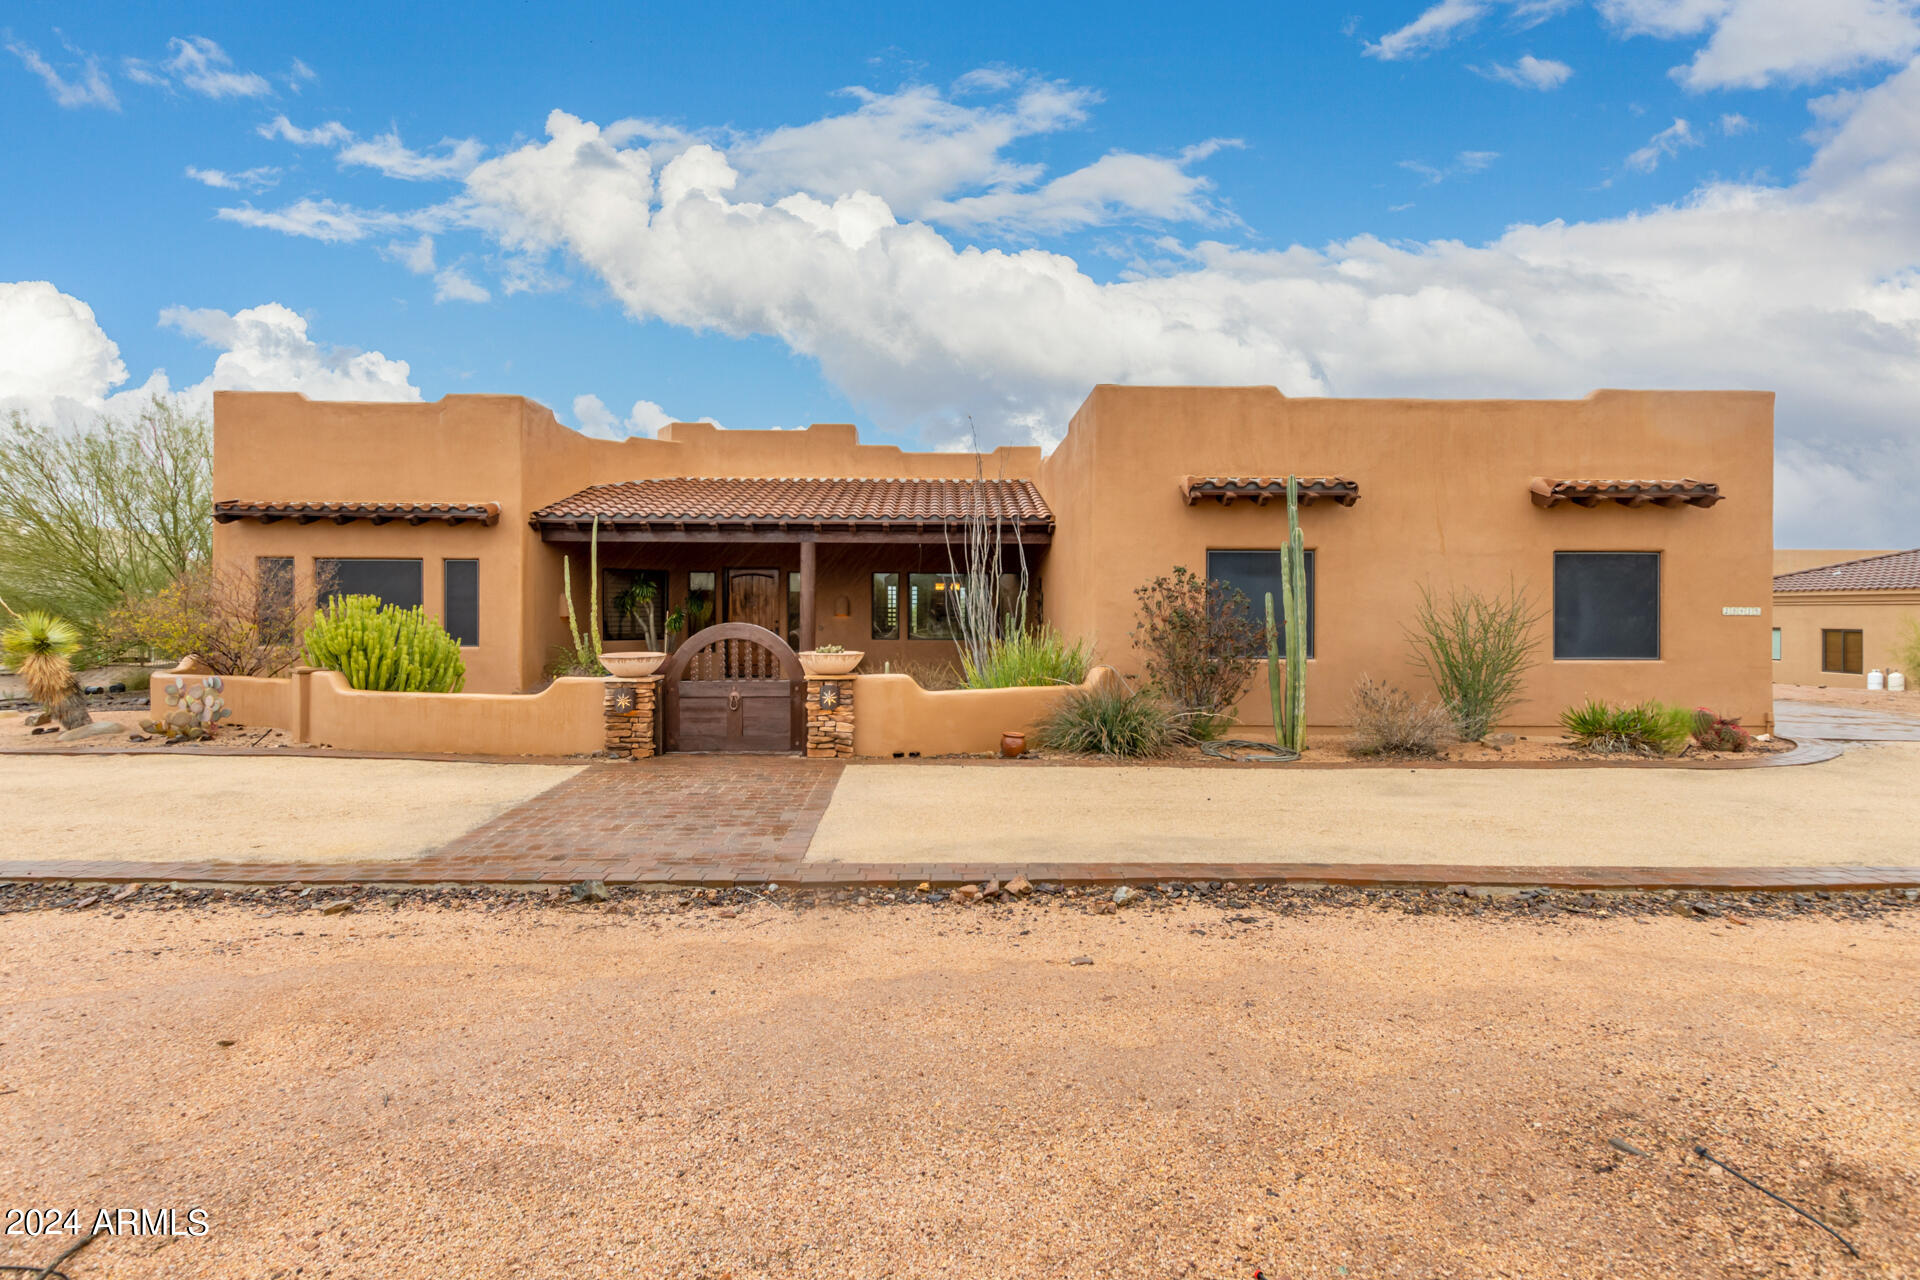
{"x": 97, "y": 729}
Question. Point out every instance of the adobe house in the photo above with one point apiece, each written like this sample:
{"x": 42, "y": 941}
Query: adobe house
{"x": 1835, "y": 622}
{"x": 1639, "y": 521}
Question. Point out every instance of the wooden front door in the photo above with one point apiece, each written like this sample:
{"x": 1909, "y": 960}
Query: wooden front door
{"x": 735, "y": 687}
{"x": 757, "y": 596}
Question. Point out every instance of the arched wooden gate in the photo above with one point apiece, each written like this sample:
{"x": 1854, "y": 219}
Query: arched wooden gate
{"x": 735, "y": 687}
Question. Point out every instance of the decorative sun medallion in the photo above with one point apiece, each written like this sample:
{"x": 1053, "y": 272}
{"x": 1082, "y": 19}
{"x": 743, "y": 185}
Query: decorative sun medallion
{"x": 829, "y": 696}
{"x": 623, "y": 701}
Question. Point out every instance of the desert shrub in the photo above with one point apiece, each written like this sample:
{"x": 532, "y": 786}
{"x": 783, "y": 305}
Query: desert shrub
{"x": 1475, "y": 647}
{"x": 1027, "y": 656}
{"x": 40, "y": 648}
{"x": 1906, "y": 651}
{"x": 1389, "y": 721}
{"x": 569, "y": 661}
{"x": 1646, "y": 728}
{"x": 1206, "y": 726}
{"x": 223, "y": 614}
{"x": 378, "y": 646}
{"x": 1200, "y": 641}
{"x": 1718, "y": 733}
{"x": 113, "y": 511}
{"x": 1113, "y": 720}
{"x": 932, "y": 675}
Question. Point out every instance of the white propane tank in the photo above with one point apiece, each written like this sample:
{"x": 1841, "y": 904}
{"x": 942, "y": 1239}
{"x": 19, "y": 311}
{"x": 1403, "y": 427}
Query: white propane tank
{"x": 1896, "y": 682}
{"x": 1876, "y": 680}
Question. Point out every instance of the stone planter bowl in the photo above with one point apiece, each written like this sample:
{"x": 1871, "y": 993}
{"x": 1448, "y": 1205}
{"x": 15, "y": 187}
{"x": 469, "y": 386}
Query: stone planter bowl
{"x": 631, "y": 666}
{"x": 830, "y": 664}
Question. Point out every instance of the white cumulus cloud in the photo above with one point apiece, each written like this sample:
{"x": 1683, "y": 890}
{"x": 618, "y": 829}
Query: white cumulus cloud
{"x": 200, "y": 66}
{"x": 644, "y": 419}
{"x": 451, "y": 284}
{"x": 267, "y": 348}
{"x": 1752, "y": 43}
{"x": 1670, "y": 141}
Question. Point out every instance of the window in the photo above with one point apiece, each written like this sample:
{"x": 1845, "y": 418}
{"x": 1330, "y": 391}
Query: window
{"x": 1254, "y": 574}
{"x": 1842, "y": 652}
{"x": 934, "y": 601}
{"x": 395, "y": 582}
{"x": 633, "y": 606}
{"x": 1606, "y": 605}
{"x": 273, "y": 599}
{"x": 1776, "y": 644}
{"x": 886, "y": 606}
{"x": 462, "y": 604}
{"x": 700, "y": 597}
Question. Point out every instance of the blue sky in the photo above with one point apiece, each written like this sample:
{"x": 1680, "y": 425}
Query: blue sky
{"x": 771, "y": 216}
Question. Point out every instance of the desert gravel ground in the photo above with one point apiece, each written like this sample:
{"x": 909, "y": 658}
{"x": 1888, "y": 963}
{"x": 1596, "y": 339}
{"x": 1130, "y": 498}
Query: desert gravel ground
{"x": 244, "y": 808}
{"x": 1856, "y": 810}
{"x": 1271, "y": 1082}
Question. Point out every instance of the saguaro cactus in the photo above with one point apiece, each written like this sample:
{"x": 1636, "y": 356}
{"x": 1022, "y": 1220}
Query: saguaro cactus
{"x": 1290, "y": 698}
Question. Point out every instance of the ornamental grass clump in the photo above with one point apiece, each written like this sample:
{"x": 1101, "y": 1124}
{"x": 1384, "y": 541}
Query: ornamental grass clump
{"x": 1389, "y": 721}
{"x": 1646, "y": 728}
{"x": 1113, "y": 720}
{"x": 378, "y": 646}
{"x": 39, "y": 647}
{"x": 1027, "y": 656}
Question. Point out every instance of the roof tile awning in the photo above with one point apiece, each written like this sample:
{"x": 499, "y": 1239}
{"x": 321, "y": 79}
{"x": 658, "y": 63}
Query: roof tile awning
{"x": 1264, "y": 489}
{"x": 485, "y": 513}
{"x": 1628, "y": 493}
{"x": 774, "y": 508}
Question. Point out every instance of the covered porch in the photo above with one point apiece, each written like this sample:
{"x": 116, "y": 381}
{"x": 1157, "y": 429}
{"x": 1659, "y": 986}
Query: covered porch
{"x": 868, "y": 564}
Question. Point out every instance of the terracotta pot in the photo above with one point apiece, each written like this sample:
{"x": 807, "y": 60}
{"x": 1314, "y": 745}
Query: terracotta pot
{"x": 631, "y": 666}
{"x": 1013, "y": 744}
{"x": 817, "y": 664}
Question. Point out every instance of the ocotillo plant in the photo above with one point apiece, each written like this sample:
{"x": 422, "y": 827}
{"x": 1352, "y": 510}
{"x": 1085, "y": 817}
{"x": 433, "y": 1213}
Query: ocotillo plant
{"x": 1290, "y": 706}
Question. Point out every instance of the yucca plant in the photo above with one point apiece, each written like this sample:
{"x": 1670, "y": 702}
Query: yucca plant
{"x": 1646, "y": 728}
{"x": 40, "y": 646}
{"x": 1113, "y": 721}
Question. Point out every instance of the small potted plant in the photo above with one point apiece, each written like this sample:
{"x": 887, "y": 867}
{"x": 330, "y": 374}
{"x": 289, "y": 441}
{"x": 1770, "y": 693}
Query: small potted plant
{"x": 830, "y": 660}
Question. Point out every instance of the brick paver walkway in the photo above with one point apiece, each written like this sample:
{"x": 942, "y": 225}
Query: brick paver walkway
{"x": 728, "y": 820}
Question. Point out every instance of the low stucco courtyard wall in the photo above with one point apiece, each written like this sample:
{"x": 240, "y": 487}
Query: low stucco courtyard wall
{"x": 895, "y": 716}
{"x": 314, "y": 706}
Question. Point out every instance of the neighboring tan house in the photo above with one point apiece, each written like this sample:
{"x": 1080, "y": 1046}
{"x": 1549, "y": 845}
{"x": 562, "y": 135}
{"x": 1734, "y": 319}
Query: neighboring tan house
{"x": 1835, "y": 623}
{"x": 1638, "y": 521}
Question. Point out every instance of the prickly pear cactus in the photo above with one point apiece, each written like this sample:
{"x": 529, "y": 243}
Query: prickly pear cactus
{"x": 192, "y": 713}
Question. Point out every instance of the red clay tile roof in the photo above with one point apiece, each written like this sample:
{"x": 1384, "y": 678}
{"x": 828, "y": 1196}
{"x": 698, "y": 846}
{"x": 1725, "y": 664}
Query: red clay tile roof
{"x": 1264, "y": 489}
{"x": 1628, "y": 493}
{"x": 687, "y": 500}
{"x": 343, "y": 512}
{"x": 1895, "y": 571}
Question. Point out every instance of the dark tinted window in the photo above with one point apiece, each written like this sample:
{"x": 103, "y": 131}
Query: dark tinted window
{"x": 1843, "y": 652}
{"x": 273, "y": 599}
{"x": 395, "y": 582}
{"x": 633, "y": 606}
{"x": 886, "y": 606}
{"x": 1606, "y": 604}
{"x": 1255, "y": 574}
{"x": 463, "y": 600}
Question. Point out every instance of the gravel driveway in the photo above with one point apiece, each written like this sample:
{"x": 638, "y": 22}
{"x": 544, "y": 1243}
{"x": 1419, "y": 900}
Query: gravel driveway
{"x": 916, "y": 1091}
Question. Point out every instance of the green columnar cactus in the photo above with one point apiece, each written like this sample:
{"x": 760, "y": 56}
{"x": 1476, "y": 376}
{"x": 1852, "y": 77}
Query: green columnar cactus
{"x": 1290, "y": 705}
{"x": 589, "y": 642}
{"x": 378, "y": 646}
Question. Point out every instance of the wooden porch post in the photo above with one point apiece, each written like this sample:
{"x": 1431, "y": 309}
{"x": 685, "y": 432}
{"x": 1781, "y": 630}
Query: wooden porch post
{"x": 808, "y": 554}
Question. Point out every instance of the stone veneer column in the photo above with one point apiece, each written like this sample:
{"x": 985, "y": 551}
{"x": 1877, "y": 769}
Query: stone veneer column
{"x": 830, "y": 728}
{"x": 632, "y": 713}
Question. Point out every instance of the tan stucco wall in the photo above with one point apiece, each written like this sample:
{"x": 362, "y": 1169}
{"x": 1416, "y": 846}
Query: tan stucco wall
{"x": 1879, "y": 616}
{"x": 320, "y": 707}
{"x": 894, "y": 716}
{"x": 1794, "y": 559}
{"x": 1443, "y": 501}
